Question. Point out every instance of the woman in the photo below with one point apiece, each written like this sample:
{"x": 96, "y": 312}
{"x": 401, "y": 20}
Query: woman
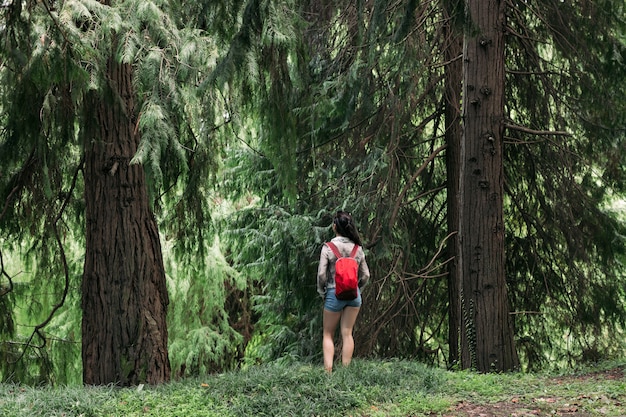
{"x": 339, "y": 311}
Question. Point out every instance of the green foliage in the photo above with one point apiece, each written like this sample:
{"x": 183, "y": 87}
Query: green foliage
{"x": 202, "y": 334}
{"x": 369, "y": 134}
{"x": 268, "y": 242}
{"x": 564, "y": 250}
{"x": 50, "y": 354}
{"x": 363, "y": 124}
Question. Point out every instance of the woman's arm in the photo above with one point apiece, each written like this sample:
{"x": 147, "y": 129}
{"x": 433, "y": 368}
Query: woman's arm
{"x": 364, "y": 270}
{"x": 322, "y": 269}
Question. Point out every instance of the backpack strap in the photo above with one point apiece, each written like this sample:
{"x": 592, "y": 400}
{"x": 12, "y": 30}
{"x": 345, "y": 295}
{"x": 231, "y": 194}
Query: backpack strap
{"x": 333, "y": 248}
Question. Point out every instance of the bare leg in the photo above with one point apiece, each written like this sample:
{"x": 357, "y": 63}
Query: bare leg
{"x": 331, "y": 320}
{"x": 348, "y": 318}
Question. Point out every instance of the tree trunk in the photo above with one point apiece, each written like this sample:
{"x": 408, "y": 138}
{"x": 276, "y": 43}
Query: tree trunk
{"x": 124, "y": 295}
{"x": 453, "y": 10}
{"x": 487, "y": 342}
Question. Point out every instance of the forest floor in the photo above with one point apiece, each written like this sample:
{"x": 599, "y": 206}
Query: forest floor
{"x": 551, "y": 405}
{"x": 367, "y": 388}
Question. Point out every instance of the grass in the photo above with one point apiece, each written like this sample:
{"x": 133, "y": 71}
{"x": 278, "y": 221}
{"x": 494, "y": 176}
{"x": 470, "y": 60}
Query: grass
{"x": 366, "y": 388}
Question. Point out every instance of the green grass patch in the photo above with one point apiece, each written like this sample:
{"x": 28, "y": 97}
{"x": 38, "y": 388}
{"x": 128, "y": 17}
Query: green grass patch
{"x": 367, "y": 388}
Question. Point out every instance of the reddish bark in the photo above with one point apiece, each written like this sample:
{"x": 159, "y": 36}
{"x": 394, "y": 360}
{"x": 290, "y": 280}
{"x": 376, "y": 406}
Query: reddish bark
{"x": 125, "y": 299}
{"x": 487, "y": 341}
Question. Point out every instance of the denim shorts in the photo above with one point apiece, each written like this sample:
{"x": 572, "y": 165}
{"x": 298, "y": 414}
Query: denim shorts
{"x": 331, "y": 303}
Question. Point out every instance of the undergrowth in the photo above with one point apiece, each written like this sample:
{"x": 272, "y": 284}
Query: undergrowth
{"x": 366, "y": 388}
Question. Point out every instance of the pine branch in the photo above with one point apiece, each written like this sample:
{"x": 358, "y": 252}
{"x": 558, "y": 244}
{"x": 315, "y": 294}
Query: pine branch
{"x": 46, "y": 5}
{"x": 530, "y": 131}
{"x": 19, "y": 184}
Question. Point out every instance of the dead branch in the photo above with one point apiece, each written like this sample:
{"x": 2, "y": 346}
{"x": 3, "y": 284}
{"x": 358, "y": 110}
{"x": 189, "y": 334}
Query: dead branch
{"x": 536, "y": 132}
{"x": 410, "y": 182}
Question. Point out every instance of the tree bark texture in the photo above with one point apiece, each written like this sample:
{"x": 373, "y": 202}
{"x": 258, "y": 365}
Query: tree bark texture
{"x": 487, "y": 340}
{"x": 124, "y": 295}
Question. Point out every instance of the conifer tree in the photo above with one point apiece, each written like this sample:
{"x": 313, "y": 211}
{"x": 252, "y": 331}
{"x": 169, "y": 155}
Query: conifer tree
{"x": 100, "y": 120}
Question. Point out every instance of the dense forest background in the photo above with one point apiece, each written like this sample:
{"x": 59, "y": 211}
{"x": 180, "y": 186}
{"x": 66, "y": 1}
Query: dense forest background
{"x": 253, "y": 122}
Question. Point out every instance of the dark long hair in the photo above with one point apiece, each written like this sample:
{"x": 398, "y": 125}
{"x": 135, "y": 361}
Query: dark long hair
{"x": 345, "y": 227}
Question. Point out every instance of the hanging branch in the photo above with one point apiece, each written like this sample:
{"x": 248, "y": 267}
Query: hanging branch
{"x": 15, "y": 192}
{"x": 18, "y": 181}
{"x": 37, "y": 331}
{"x": 62, "y": 31}
{"x": 4, "y": 273}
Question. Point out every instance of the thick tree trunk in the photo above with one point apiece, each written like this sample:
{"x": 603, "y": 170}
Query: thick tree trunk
{"x": 487, "y": 341}
{"x": 124, "y": 295}
{"x": 453, "y": 10}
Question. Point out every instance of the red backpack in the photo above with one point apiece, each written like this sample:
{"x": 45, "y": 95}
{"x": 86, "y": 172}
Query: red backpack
{"x": 346, "y": 274}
